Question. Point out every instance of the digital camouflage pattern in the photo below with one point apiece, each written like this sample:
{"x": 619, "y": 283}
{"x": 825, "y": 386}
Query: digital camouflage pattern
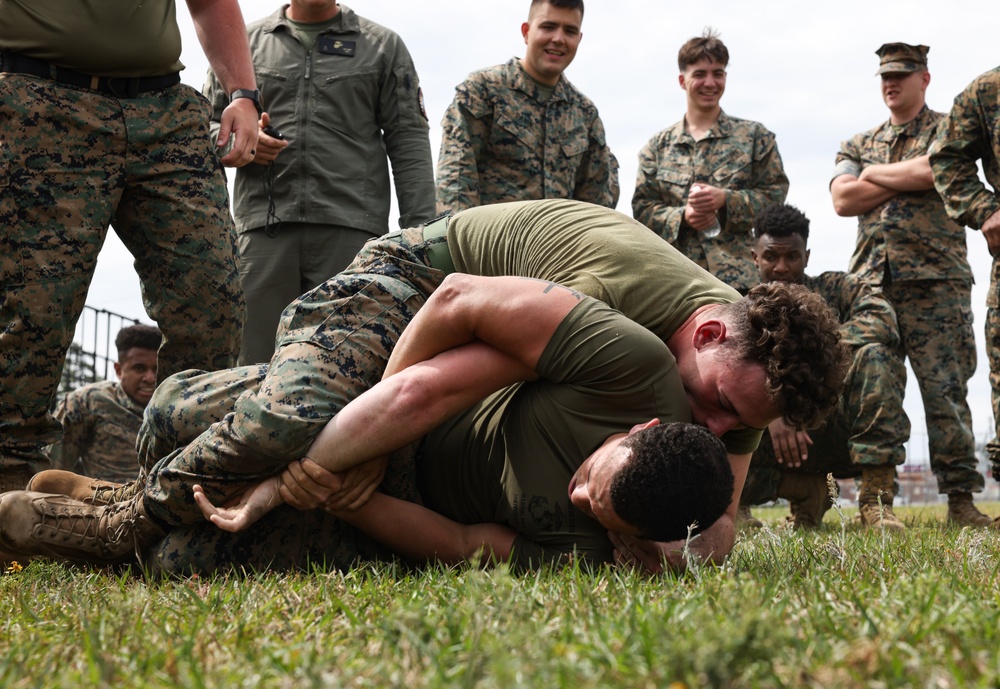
{"x": 334, "y": 343}
{"x": 100, "y": 425}
{"x": 503, "y": 141}
{"x": 910, "y": 236}
{"x": 869, "y": 427}
{"x": 910, "y": 246}
{"x": 971, "y": 132}
{"x": 935, "y": 326}
{"x": 186, "y": 405}
{"x": 81, "y": 161}
{"x": 737, "y": 155}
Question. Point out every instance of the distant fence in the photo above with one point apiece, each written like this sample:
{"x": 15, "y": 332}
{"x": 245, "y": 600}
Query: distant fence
{"x": 92, "y": 355}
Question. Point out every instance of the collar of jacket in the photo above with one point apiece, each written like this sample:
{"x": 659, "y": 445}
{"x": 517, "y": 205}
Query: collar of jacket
{"x": 518, "y": 79}
{"x": 348, "y": 21}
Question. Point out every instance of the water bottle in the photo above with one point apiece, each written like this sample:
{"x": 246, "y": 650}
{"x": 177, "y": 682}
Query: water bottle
{"x": 713, "y": 230}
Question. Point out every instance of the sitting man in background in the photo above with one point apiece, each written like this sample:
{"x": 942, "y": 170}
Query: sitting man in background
{"x": 101, "y": 421}
{"x": 866, "y": 434}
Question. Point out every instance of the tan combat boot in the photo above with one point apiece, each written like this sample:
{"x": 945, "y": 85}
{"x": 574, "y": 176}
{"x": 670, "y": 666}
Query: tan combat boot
{"x": 808, "y": 498}
{"x": 745, "y": 519}
{"x": 61, "y": 528}
{"x": 878, "y": 486}
{"x": 89, "y": 490}
{"x": 961, "y": 511}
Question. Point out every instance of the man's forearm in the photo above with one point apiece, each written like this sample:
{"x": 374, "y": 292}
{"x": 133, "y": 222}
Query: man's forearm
{"x": 906, "y": 175}
{"x": 223, "y": 36}
{"x": 853, "y": 197}
{"x": 418, "y": 533}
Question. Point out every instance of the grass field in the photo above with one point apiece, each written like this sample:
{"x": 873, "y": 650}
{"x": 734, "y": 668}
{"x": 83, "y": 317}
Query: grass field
{"x": 839, "y": 607}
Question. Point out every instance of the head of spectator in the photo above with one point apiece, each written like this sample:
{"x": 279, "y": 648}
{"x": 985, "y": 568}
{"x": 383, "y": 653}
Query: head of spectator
{"x": 656, "y": 481}
{"x": 903, "y": 69}
{"x": 552, "y": 34}
{"x": 702, "y": 62}
{"x": 136, "y": 365}
{"x": 781, "y": 234}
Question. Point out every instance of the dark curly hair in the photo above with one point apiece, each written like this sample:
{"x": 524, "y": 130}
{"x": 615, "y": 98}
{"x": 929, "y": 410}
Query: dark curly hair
{"x": 677, "y": 475}
{"x": 707, "y": 46}
{"x": 781, "y": 220}
{"x": 795, "y": 335}
{"x": 138, "y": 335}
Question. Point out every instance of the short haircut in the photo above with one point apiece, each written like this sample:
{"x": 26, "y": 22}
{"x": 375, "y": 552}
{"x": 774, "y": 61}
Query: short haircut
{"x": 138, "y": 335}
{"x": 781, "y": 220}
{"x": 707, "y": 46}
{"x": 565, "y": 4}
{"x": 677, "y": 475}
{"x": 795, "y": 336}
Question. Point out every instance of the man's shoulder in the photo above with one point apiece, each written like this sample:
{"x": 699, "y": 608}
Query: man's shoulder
{"x": 91, "y": 394}
{"x": 265, "y": 24}
{"x": 574, "y": 95}
{"x": 376, "y": 31}
{"x": 667, "y": 135}
{"x": 497, "y": 76}
{"x": 742, "y": 126}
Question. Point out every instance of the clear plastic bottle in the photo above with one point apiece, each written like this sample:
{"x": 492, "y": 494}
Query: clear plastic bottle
{"x": 713, "y": 230}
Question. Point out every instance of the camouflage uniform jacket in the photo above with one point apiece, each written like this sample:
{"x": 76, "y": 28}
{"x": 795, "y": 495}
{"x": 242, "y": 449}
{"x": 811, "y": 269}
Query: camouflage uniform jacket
{"x": 502, "y": 142}
{"x": 910, "y": 232}
{"x": 737, "y": 155}
{"x": 866, "y": 316}
{"x": 971, "y": 131}
{"x": 100, "y": 425}
{"x": 342, "y": 106}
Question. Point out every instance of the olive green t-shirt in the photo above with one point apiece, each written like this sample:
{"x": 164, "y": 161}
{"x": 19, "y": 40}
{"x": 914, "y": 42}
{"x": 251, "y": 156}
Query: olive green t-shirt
{"x": 510, "y": 458}
{"x": 598, "y": 252}
{"x": 99, "y": 37}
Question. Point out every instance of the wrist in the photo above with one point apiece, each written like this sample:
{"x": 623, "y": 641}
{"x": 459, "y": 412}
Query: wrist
{"x": 252, "y": 95}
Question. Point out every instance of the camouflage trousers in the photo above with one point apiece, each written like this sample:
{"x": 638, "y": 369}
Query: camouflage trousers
{"x": 935, "y": 328}
{"x": 74, "y": 162}
{"x": 993, "y": 355}
{"x": 231, "y": 429}
{"x": 868, "y": 428}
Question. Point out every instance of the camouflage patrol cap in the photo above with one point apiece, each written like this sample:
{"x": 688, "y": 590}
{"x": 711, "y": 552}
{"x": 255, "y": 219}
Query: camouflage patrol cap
{"x": 901, "y": 57}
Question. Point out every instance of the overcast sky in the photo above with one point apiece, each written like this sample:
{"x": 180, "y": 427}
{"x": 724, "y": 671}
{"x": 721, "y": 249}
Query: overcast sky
{"x": 803, "y": 69}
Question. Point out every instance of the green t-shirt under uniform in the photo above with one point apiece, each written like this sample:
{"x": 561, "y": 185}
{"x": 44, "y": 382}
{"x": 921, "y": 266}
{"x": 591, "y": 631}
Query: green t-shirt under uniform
{"x": 510, "y": 458}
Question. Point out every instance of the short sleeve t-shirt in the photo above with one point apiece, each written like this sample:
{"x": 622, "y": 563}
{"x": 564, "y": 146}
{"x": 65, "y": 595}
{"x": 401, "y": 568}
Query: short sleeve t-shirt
{"x": 598, "y": 252}
{"x": 99, "y": 37}
{"x": 510, "y": 458}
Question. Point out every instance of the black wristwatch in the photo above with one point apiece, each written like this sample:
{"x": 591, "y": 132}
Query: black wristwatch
{"x": 253, "y": 95}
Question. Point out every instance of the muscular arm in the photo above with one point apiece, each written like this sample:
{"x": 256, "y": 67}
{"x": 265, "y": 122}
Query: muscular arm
{"x": 418, "y": 533}
{"x": 223, "y": 36}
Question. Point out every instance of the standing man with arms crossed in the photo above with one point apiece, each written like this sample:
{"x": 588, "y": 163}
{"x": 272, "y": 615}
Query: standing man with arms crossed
{"x": 702, "y": 181}
{"x": 101, "y": 421}
{"x": 909, "y": 245}
{"x": 521, "y": 130}
{"x": 971, "y": 132}
{"x": 344, "y": 94}
{"x": 98, "y": 130}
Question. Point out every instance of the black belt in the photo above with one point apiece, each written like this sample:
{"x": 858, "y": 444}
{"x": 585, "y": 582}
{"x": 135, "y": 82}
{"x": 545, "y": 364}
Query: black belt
{"x": 119, "y": 87}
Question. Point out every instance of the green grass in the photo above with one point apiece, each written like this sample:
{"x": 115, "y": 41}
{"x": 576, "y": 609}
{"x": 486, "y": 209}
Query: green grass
{"x": 839, "y": 607}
